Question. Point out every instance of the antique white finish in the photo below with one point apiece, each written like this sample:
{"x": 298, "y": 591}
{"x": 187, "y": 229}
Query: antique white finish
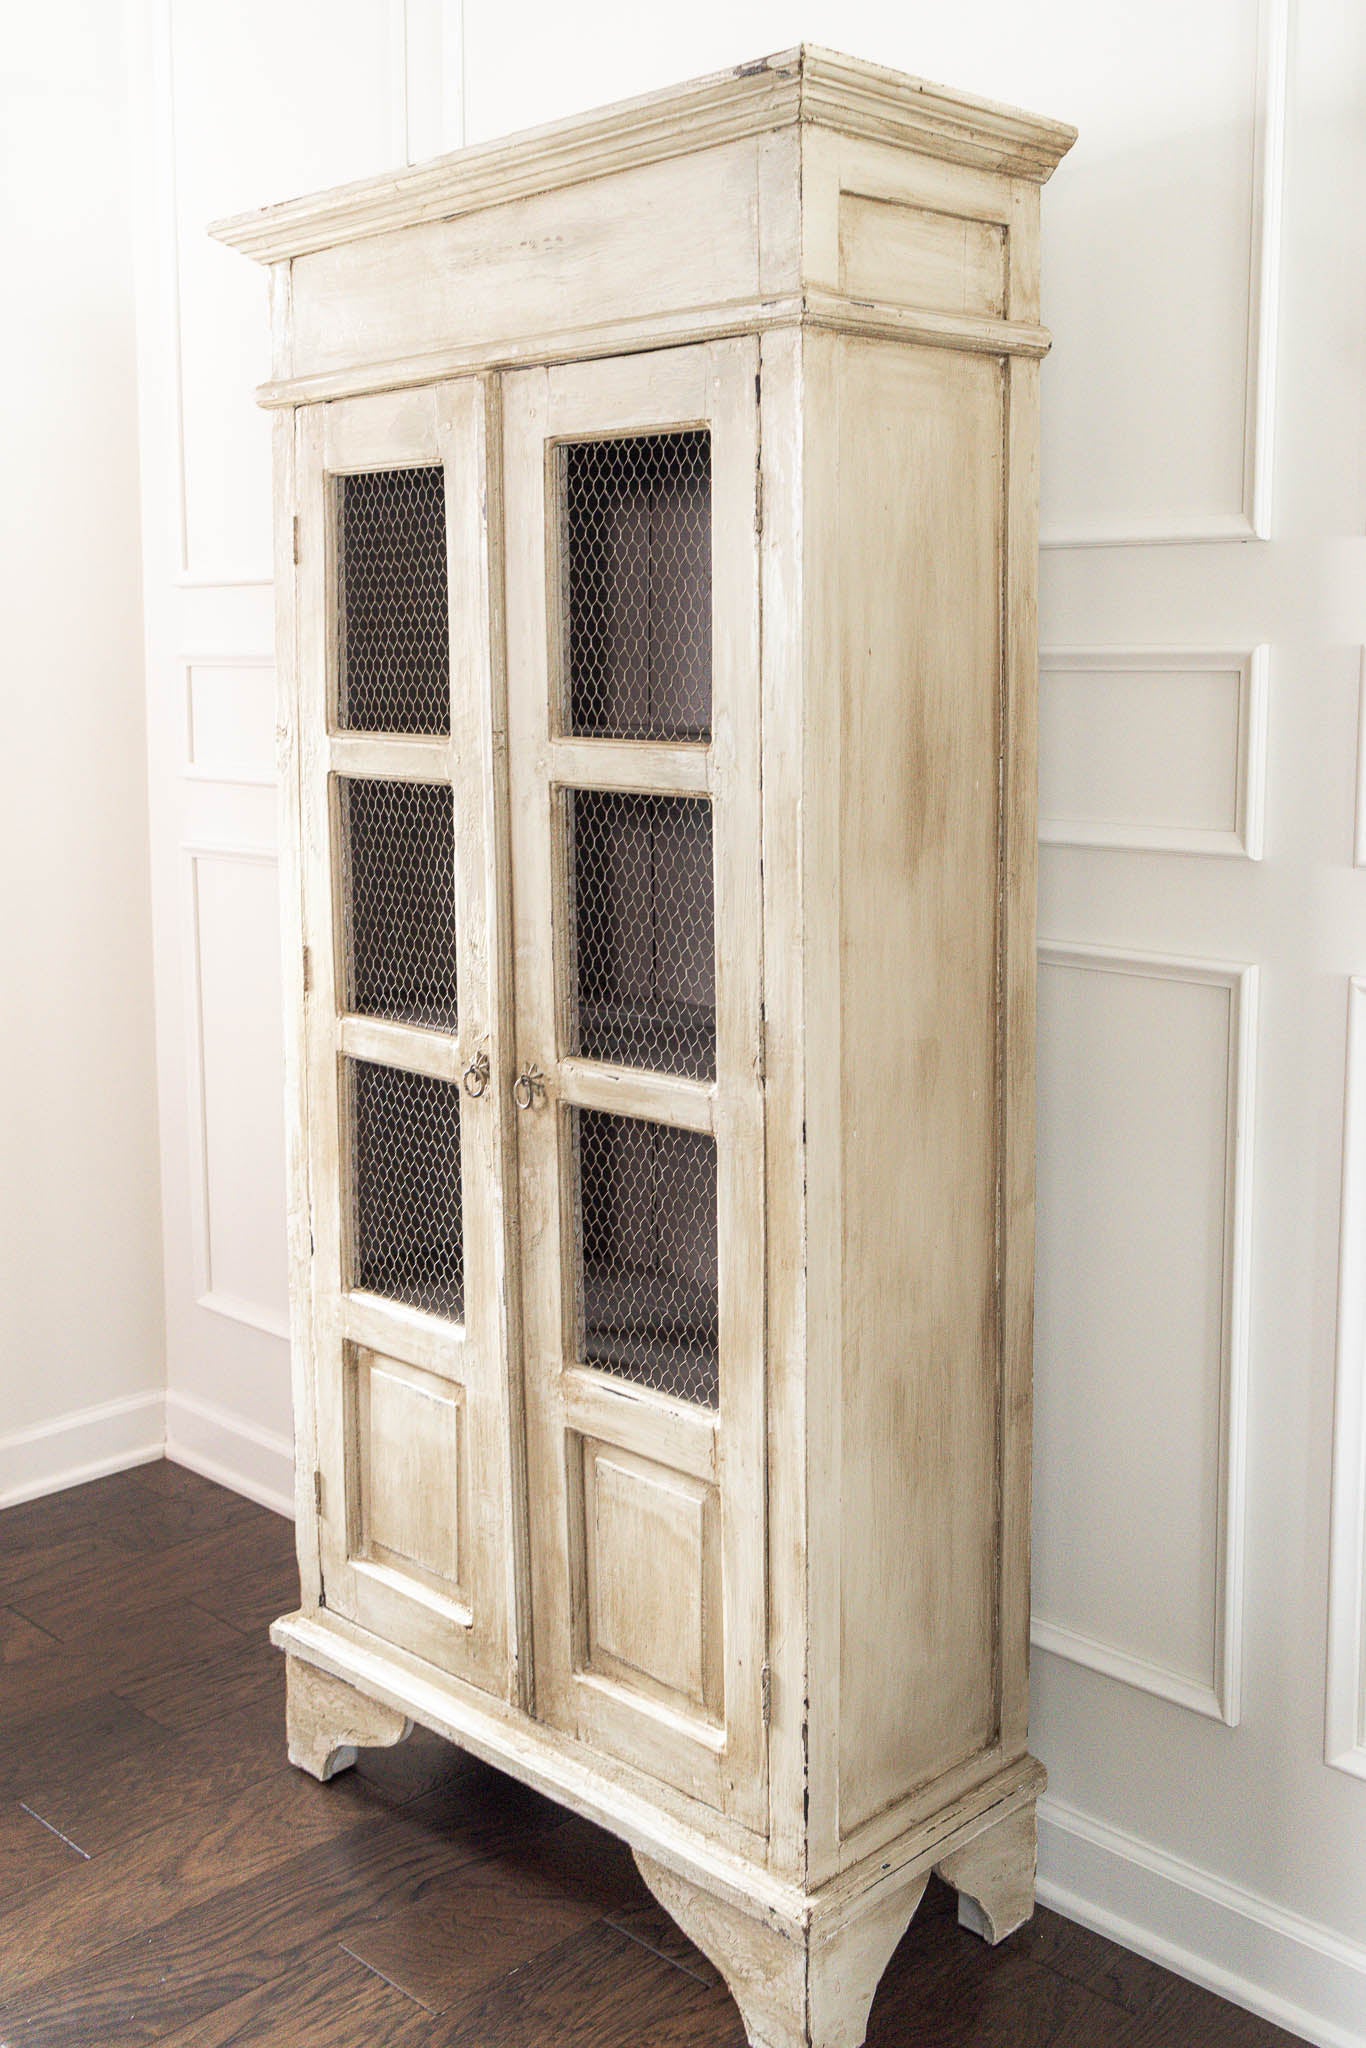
{"x": 739, "y": 1569}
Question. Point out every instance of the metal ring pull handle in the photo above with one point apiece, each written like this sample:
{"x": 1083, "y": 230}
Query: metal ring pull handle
{"x": 477, "y": 1075}
{"x": 528, "y": 1087}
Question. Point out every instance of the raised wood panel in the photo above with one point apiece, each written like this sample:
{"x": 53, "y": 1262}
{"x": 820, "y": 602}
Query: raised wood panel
{"x": 236, "y": 1110}
{"x": 1145, "y": 1072}
{"x": 651, "y": 1593}
{"x": 1346, "y": 1721}
{"x": 1158, "y": 750}
{"x": 410, "y": 1478}
{"x": 913, "y": 256}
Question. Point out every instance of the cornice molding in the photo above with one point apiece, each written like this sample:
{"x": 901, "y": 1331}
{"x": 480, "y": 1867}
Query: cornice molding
{"x": 800, "y": 85}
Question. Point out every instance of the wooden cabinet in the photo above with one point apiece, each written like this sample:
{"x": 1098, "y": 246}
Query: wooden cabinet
{"x": 657, "y": 565}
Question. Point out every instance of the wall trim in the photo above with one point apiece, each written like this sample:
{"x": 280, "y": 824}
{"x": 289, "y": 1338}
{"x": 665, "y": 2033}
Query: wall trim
{"x": 229, "y": 1449}
{"x": 1252, "y": 520}
{"x": 1224, "y": 1693}
{"x": 256, "y": 1315}
{"x": 1345, "y": 1723}
{"x": 1291, "y": 1970}
{"x": 1245, "y": 840}
{"x": 85, "y": 1443}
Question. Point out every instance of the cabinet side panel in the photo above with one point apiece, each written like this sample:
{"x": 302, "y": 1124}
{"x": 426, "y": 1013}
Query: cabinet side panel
{"x": 917, "y": 598}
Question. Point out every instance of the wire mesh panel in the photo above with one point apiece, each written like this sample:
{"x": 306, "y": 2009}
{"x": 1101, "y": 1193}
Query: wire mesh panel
{"x": 643, "y": 992}
{"x": 646, "y": 1247}
{"x": 635, "y": 558}
{"x": 398, "y": 900}
{"x": 393, "y": 620}
{"x": 407, "y": 1235}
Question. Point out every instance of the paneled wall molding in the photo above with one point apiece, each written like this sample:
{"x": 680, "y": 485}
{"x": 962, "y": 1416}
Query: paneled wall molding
{"x": 425, "y": 72}
{"x": 1244, "y": 836}
{"x": 1252, "y": 520}
{"x": 198, "y": 769}
{"x": 1220, "y": 1699}
{"x": 1345, "y": 1743}
{"x": 219, "y": 1301}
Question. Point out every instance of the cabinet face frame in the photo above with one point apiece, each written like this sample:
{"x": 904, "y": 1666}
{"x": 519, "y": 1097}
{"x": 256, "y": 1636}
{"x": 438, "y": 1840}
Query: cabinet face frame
{"x": 447, "y": 1386}
{"x": 587, "y": 1429}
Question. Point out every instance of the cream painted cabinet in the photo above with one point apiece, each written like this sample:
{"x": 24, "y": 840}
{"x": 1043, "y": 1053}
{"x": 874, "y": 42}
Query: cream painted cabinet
{"x": 656, "y": 596}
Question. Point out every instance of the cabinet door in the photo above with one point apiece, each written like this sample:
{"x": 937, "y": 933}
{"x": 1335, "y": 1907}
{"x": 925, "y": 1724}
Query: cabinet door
{"x": 632, "y": 619}
{"x": 406, "y": 1123}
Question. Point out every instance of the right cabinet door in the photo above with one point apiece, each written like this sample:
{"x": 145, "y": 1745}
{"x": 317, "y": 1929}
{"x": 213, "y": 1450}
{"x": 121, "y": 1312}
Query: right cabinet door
{"x": 633, "y": 648}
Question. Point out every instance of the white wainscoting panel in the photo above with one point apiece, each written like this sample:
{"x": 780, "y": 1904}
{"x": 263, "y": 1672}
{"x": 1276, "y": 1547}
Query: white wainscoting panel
{"x": 240, "y": 104}
{"x": 1160, "y": 424}
{"x": 230, "y": 720}
{"x": 237, "y": 1107}
{"x": 1346, "y": 1727}
{"x": 1155, "y": 749}
{"x": 1145, "y": 1077}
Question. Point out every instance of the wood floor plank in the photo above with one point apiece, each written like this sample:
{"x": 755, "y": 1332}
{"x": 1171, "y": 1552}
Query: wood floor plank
{"x": 156, "y": 1878}
{"x": 21, "y": 1642}
{"x": 241, "y": 1938}
{"x": 1168, "y": 2012}
{"x": 201, "y": 1568}
{"x": 31, "y": 1855}
{"x": 83, "y": 1738}
{"x": 597, "y": 1990}
{"x": 331, "y": 2001}
{"x": 199, "y": 1691}
{"x": 463, "y": 1936}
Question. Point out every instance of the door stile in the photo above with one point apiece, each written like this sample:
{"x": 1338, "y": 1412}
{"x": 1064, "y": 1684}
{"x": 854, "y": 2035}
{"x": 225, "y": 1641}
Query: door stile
{"x": 414, "y": 1540}
{"x": 587, "y": 1429}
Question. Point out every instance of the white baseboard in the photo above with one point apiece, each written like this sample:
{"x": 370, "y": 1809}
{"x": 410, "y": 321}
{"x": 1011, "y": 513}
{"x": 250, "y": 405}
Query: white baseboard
{"x": 1290, "y": 1969}
{"x": 229, "y": 1449}
{"x": 87, "y": 1444}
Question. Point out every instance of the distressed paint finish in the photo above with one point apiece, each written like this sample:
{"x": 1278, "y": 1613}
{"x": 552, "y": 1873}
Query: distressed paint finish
{"x": 779, "y": 1646}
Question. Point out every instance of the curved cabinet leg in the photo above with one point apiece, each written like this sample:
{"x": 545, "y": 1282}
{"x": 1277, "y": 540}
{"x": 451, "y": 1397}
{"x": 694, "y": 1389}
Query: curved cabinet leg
{"x": 795, "y": 1987}
{"x": 994, "y": 1876}
{"x": 329, "y": 1721}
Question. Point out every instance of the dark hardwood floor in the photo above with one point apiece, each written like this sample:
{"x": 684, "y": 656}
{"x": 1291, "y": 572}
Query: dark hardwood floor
{"x": 166, "y": 1877}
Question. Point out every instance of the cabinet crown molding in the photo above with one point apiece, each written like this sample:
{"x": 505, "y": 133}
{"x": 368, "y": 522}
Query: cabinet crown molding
{"x": 804, "y": 85}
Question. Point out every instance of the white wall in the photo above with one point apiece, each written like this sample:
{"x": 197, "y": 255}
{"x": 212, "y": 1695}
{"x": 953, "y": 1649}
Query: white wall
{"x": 81, "y": 1350}
{"x": 1204, "y": 608}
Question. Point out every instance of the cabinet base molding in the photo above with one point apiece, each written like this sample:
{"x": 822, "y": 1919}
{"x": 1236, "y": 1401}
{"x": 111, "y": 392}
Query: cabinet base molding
{"x": 803, "y": 1967}
{"x": 328, "y": 1721}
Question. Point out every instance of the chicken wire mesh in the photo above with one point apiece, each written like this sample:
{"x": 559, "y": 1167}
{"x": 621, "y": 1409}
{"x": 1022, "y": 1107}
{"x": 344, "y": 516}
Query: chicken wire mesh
{"x": 393, "y": 620}
{"x": 635, "y": 559}
{"x": 407, "y": 1229}
{"x": 646, "y": 1247}
{"x": 644, "y": 982}
{"x": 398, "y": 900}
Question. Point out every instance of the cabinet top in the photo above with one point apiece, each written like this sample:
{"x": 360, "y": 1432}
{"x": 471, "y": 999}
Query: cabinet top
{"x": 803, "y": 85}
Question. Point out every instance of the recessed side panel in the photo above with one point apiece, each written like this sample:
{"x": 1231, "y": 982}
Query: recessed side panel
{"x": 913, "y": 625}
{"x": 409, "y": 1480}
{"x": 650, "y": 1586}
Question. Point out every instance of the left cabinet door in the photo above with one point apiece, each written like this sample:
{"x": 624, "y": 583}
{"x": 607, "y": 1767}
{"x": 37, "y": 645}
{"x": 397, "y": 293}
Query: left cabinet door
{"x": 405, "y": 1099}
